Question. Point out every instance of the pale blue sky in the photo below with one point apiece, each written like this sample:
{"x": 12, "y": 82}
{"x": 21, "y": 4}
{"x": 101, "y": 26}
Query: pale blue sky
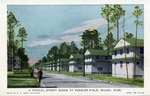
{"x": 49, "y": 25}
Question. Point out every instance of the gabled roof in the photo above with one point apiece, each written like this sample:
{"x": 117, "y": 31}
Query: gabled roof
{"x": 64, "y": 59}
{"x": 77, "y": 56}
{"x": 97, "y": 52}
{"x": 140, "y": 42}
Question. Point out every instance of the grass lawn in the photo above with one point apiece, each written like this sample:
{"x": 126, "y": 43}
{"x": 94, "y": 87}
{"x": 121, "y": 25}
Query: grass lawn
{"x": 139, "y": 82}
{"x": 22, "y": 79}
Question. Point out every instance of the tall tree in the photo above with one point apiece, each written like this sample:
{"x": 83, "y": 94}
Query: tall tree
{"x": 12, "y": 23}
{"x": 117, "y": 13}
{"x": 73, "y": 48}
{"x": 44, "y": 60}
{"x": 22, "y": 34}
{"x": 53, "y": 53}
{"x": 109, "y": 38}
{"x": 91, "y": 38}
{"x": 23, "y": 57}
{"x": 64, "y": 50}
{"x": 125, "y": 52}
{"x": 106, "y": 12}
{"x": 137, "y": 13}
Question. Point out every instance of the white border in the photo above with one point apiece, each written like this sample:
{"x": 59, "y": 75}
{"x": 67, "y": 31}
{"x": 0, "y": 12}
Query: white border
{"x": 3, "y": 47}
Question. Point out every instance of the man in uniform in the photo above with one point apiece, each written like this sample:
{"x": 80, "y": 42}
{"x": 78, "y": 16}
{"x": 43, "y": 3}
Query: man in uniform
{"x": 40, "y": 73}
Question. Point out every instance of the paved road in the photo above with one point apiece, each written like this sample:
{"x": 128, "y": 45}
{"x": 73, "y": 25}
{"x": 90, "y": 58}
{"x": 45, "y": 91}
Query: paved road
{"x": 51, "y": 80}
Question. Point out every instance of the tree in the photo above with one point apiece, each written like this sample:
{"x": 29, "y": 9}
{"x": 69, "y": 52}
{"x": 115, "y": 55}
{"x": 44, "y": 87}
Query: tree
{"x": 12, "y": 23}
{"x": 53, "y": 53}
{"x": 73, "y": 48}
{"x": 128, "y": 35}
{"x": 111, "y": 41}
{"x": 64, "y": 50}
{"x": 23, "y": 57}
{"x": 106, "y": 13}
{"x": 117, "y": 13}
{"x": 125, "y": 35}
{"x": 92, "y": 39}
{"x": 44, "y": 60}
{"x": 137, "y": 13}
{"x": 22, "y": 34}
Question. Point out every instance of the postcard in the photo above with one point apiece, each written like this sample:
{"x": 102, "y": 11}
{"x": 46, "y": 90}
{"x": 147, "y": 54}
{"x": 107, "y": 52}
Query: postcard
{"x": 74, "y": 48}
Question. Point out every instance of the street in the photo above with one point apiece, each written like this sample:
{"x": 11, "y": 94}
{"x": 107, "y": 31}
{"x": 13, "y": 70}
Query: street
{"x": 51, "y": 80}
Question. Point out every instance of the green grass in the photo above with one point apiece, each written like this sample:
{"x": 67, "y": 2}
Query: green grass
{"x": 22, "y": 79}
{"x": 139, "y": 82}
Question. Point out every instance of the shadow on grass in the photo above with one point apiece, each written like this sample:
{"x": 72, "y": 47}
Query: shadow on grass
{"x": 32, "y": 86}
{"x": 19, "y": 77}
{"x": 21, "y": 73}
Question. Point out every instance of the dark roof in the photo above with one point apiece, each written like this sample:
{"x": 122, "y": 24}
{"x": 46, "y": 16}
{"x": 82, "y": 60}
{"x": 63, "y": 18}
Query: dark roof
{"x": 140, "y": 42}
{"x": 77, "y": 56}
{"x": 64, "y": 59}
{"x": 98, "y": 52}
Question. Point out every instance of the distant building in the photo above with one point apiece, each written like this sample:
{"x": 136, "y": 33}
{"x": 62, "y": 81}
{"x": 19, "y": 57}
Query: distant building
{"x": 76, "y": 63}
{"x": 119, "y": 62}
{"x": 97, "y": 62}
{"x": 17, "y": 65}
{"x": 63, "y": 64}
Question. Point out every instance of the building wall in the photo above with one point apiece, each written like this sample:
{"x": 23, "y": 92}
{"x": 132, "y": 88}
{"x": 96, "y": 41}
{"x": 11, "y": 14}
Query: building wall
{"x": 96, "y": 58}
{"x": 98, "y": 68}
{"x": 71, "y": 68}
{"x": 75, "y": 68}
{"x": 88, "y": 69}
{"x": 130, "y": 54}
{"x": 119, "y": 70}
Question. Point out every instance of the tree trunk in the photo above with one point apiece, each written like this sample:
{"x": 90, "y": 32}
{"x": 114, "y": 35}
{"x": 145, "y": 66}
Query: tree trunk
{"x": 135, "y": 49}
{"x": 108, "y": 47}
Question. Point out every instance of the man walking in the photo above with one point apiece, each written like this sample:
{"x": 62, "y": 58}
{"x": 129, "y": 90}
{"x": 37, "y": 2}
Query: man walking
{"x": 40, "y": 73}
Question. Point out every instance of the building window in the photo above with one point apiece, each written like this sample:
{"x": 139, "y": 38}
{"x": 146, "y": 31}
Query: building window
{"x": 120, "y": 52}
{"x": 106, "y": 58}
{"x": 100, "y": 68}
{"x": 141, "y": 50}
{"x": 121, "y": 65}
{"x": 97, "y": 57}
{"x": 115, "y": 53}
{"x": 127, "y": 50}
{"x": 80, "y": 68}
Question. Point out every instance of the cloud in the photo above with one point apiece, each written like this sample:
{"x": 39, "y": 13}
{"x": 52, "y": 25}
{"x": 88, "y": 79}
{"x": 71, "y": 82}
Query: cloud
{"x": 69, "y": 38}
{"x": 43, "y": 42}
{"x": 43, "y": 36}
{"x": 95, "y": 23}
{"x": 66, "y": 38}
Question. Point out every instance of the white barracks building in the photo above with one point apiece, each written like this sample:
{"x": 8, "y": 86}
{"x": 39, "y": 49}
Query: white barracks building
{"x": 122, "y": 66}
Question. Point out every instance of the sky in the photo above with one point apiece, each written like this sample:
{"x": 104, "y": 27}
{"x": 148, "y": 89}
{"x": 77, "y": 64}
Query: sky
{"x": 50, "y": 25}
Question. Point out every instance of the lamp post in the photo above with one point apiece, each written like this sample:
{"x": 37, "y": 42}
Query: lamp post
{"x": 59, "y": 60}
{"x": 83, "y": 53}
